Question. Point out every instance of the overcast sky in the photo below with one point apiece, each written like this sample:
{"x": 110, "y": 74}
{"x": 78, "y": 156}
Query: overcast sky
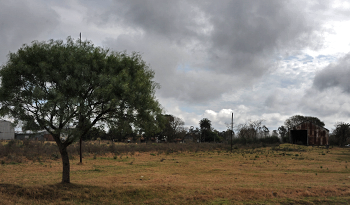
{"x": 267, "y": 60}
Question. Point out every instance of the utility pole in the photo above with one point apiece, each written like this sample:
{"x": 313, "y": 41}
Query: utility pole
{"x": 231, "y": 131}
{"x": 80, "y": 141}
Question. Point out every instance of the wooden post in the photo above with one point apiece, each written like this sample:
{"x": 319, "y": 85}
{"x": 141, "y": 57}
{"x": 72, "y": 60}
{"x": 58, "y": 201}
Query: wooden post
{"x": 80, "y": 142}
{"x": 231, "y": 131}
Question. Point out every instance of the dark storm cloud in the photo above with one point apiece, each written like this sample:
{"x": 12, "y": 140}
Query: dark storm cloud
{"x": 170, "y": 19}
{"x": 330, "y": 105}
{"x": 247, "y": 34}
{"x": 191, "y": 86}
{"x": 22, "y": 22}
{"x": 329, "y": 98}
{"x": 240, "y": 39}
{"x": 335, "y": 75}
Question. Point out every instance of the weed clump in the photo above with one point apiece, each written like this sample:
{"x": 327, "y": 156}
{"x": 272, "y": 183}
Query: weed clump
{"x": 54, "y": 156}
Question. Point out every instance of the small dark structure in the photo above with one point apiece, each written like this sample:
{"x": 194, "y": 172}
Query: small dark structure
{"x": 48, "y": 136}
{"x": 40, "y": 136}
{"x": 309, "y": 133}
{"x": 21, "y": 136}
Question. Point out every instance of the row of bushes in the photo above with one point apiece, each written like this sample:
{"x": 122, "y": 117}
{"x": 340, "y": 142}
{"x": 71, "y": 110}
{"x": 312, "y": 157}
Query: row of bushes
{"x": 263, "y": 140}
{"x": 34, "y": 150}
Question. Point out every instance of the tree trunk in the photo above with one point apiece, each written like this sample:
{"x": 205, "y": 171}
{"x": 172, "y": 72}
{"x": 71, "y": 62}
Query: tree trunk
{"x": 66, "y": 166}
{"x": 81, "y": 155}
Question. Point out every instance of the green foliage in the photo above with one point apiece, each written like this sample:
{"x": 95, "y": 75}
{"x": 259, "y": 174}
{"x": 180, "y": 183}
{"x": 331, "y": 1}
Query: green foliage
{"x": 54, "y": 156}
{"x": 53, "y": 85}
{"x": 206, "y": 132}
{"x": 253, "y": 132}
{"x": 11, "y": 143}
{"x": 297, "y": 119}
{"x": 341, "y": 133}
{"x": 94, "y": 133}
{"x": 66, "y": 88}
{"x": 120, "y": 131}
{"x": 263, "y": 141}
{"x": 172, "y": 127}
{"x": 205, "y": 124}
{"x": 211, "y": 136}
{"x": 283, "y": 132}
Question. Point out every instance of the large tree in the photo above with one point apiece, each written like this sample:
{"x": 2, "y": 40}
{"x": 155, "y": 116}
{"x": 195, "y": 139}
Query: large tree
{"x": 96, "y": 133}
{"x": 68, "y": 87}
{"x": 120, "y": 131}
{"x": 205, "y": 126}
{"x": 173, "y": 127}
{"x": 341, "y": 132}
{"x": 283, "y": 133}
{"x": 251, "y": 130}
{"x": 297, "y": 119}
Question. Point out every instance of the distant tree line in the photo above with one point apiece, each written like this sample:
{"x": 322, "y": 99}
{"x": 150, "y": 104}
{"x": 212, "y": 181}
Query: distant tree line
{"x": 254, "y": 132}
{"x": 172, "y": 129}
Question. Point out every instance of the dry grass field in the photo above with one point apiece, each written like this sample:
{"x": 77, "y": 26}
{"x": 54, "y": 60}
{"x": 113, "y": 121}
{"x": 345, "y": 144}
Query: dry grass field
{"x": 285, "y": 174}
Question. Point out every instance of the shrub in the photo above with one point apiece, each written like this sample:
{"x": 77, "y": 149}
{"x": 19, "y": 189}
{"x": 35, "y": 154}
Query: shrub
{"x": 32, "y": 150}
{"x": 54, "y": 156}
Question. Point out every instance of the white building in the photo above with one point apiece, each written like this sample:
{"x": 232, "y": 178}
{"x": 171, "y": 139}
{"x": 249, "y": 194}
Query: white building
{"x": 7, "y": 131}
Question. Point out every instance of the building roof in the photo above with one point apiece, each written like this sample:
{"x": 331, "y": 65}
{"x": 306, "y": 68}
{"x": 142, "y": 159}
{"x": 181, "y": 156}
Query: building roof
{"x": 312, "y": 123}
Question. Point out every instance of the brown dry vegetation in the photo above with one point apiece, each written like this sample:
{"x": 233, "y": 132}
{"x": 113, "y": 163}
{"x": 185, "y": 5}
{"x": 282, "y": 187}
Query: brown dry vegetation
{"x": 285, "y": 174}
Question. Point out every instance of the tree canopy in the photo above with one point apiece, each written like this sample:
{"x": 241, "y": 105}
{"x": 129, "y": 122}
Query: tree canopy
{"x": 341, "y": 132}
{"x": 283, "y": 133}
{"x": 68, "y": 87}
{"x": 206, "y": 130}
{"x": 205, "y": 124}
{"x": 173, "y": 127}
{"x": 297, "y": 119}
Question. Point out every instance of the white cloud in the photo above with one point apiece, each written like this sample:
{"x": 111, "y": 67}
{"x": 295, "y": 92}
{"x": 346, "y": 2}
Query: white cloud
{"x": 259, "y": 60}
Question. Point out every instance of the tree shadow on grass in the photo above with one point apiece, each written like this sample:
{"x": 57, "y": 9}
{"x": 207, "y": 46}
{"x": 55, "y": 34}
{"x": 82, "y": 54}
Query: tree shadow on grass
{"x": 77, "y": 193}
{"x": 46, "y": 192}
